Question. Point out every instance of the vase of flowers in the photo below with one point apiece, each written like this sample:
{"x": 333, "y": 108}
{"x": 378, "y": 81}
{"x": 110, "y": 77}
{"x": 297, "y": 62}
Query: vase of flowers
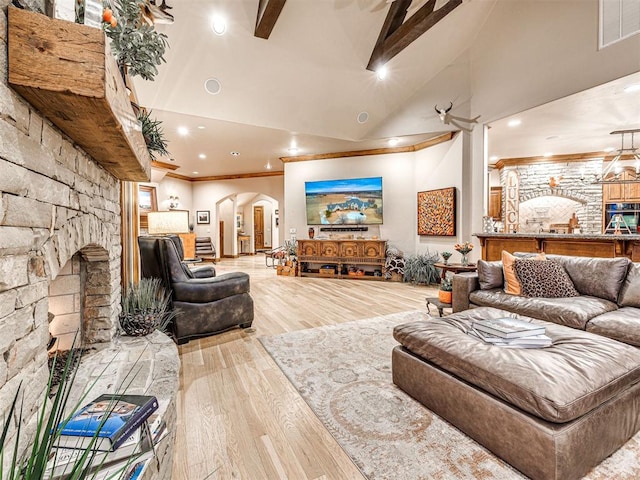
{"x": 464, "y": 249}
{"x": 446, "y": 256}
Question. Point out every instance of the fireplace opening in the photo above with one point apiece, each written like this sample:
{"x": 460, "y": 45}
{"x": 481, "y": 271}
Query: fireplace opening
{"x": 549, "y": 214}
{"x": 83, "y": 299}
{"x": 65, "y": 307}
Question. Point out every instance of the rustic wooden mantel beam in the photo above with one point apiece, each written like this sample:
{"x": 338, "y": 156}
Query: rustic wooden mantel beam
{"x": 268, "y": 13}
{"x": 396, "y": 34}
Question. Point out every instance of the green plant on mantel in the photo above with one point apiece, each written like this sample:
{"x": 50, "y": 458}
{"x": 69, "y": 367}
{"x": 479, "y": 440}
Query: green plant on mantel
{"x": 153, "y": 134}
{"x": 137, "y": 46}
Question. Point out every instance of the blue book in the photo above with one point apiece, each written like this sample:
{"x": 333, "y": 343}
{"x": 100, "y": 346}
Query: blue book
{"x": 107, "y": 422}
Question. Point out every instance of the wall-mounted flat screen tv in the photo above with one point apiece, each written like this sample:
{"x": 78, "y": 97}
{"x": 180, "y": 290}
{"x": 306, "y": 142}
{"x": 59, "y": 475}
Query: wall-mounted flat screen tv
{"x": 353, "y": 201}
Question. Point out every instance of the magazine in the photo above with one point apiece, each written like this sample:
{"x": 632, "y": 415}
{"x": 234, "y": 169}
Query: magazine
{"x": 507, "y": 327}
{"x": 107, "y": 423}
{"x": 533, "y": 341}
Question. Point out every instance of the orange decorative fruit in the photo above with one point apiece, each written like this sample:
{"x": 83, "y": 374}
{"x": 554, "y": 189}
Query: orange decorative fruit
{"x": 107, "y": 15}
{"x": 114, "y": 22}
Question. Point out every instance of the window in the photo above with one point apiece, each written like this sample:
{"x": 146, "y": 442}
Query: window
{"x": 619, "y": 19}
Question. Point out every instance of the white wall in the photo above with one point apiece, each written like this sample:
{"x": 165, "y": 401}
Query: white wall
{"x": 440, "y": 167}
{"x": 207, "y": 194}
{"x": 173, "y": 186}
{"x": 530, "y": 52}
{"x": 403, "y": 175}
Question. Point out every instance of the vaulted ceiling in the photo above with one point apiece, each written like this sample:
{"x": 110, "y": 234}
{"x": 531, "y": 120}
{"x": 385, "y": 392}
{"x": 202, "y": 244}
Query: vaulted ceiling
{"x": 304, "y": 85}
{"x": 306, "y": 82}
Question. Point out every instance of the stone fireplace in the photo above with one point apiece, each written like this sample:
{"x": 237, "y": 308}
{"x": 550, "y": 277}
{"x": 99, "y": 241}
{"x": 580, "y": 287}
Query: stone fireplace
{"x": 60, "y": 230}
{"x": 59, "y": 217}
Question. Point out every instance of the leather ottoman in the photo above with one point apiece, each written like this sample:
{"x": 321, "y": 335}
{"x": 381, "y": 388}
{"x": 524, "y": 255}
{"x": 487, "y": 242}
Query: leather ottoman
{"x": 552, "y": 413}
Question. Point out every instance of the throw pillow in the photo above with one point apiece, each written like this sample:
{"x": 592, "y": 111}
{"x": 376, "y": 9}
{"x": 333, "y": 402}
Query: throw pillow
{"x": 511, "y": 282}
{"x": 545, "y": 279}
{"x": 630, "y": 294}
{"x": 490, "y": 274}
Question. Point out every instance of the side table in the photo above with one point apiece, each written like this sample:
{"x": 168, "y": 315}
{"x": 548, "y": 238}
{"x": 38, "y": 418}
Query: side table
{"x": 455, "y": 268}
{"x": 435, "y": 301}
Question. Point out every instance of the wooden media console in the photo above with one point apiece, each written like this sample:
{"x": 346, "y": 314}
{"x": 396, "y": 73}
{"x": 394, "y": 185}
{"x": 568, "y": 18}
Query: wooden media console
{"x": 357, "y": 259}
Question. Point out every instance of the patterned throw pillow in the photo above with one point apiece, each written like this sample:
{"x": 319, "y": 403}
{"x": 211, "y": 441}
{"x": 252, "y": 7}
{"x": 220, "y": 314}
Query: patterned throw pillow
{"x": 544, "y": 278}
{"x": 511, "y": 281}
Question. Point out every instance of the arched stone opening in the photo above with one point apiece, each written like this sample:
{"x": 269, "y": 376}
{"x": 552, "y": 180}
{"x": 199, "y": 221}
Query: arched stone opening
{"x": 82, "y": 261}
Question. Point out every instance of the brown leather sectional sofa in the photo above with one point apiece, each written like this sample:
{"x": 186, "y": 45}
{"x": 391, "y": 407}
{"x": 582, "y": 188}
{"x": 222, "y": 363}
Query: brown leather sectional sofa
{"x": 553, "y": 413}
{"x": 609, "y": 301}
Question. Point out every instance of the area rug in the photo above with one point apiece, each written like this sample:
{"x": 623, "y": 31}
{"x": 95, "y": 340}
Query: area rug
{"x": 344, "y": 373}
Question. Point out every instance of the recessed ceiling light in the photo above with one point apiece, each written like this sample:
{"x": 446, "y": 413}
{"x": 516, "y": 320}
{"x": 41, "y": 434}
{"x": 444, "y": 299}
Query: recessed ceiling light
{"x": 184, "y": 131}
{"x": 293, "y": 150}
{"x": 548, "y": 154}
{"x": 172, "y": 159}
{"x": 609, "y": 149}
{"x": 195, "y": 173}
{"x": 552, "y": 137}
{"x": 202, "y": 156}
{"x": 235, "y": 154}
{"x": 515, "y": 122}
{"x": 200, "y": 127}
{"x": 393, "y": 142}
{"x": 494, "y": 158}
{"x": 218, "y": 25}
{"x": 212, "y": 86}
{"x": 363, "y": 117}
{"x": 635, "y": 87}
{"x": 381, "y": 72}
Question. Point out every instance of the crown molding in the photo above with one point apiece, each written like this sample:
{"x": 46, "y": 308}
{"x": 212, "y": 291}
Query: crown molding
{"x": 237, "y": 176}
{"x": 373, "y": 151}
{"x": 165, "y": 165}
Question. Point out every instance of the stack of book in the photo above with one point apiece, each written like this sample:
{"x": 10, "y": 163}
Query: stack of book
{"x": 511, "y": 332}
{"x": 117, "y": 434}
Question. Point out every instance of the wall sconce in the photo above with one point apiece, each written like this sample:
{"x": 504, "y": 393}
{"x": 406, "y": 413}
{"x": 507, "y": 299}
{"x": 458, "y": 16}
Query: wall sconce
{"x": 174, "y": 201}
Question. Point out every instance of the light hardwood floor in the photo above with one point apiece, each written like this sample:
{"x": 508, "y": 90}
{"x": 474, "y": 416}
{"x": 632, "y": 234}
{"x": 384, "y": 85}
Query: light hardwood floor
{"x": 238, "y": 415}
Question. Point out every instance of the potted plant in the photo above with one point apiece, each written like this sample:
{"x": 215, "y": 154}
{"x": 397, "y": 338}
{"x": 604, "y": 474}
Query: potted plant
{"x": 153, "y": 134}
{"x": 137, "y": 46}
{"x": 446, "y": 290}
{"x": 446, "y": 256}
{"x": 145, "y": 308}
{"x": 421, "y": 269}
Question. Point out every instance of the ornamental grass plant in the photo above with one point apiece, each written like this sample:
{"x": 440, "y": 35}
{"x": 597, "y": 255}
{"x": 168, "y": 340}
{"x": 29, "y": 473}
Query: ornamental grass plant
{"x": 146, "y": 307}
{"x": 421, "y": 269}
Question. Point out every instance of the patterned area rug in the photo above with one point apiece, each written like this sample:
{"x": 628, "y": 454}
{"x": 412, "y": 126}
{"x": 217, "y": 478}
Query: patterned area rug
{"x": 344, "y": 373}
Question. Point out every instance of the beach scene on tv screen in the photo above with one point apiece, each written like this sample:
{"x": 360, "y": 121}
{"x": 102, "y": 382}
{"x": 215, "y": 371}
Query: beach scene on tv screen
{"x": 353, "y": 201}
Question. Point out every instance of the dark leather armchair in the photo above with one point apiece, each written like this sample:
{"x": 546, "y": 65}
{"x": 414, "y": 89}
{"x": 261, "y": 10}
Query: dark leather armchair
{"x": 205, "y": 304}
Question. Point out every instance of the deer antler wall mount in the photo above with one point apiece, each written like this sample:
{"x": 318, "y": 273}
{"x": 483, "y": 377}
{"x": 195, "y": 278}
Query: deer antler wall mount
{"x": 448, "y": 119}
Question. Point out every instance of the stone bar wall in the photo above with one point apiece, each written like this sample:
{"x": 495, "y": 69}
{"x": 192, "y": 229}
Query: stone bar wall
{"x": 574, "y": 180}
{"x": 54, "y": 201}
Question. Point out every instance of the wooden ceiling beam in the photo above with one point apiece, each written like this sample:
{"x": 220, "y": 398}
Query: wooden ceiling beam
{"x": 268, "y": 13}
{"x": 395, "y": 37}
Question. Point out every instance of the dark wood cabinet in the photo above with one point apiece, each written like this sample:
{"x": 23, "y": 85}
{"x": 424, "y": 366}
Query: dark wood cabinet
{"x": 350, "y": 258}
{"x": 495, "y": 203}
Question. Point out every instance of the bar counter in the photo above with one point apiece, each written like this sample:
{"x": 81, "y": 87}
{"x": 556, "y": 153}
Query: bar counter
{"x": 582, "y": 245}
